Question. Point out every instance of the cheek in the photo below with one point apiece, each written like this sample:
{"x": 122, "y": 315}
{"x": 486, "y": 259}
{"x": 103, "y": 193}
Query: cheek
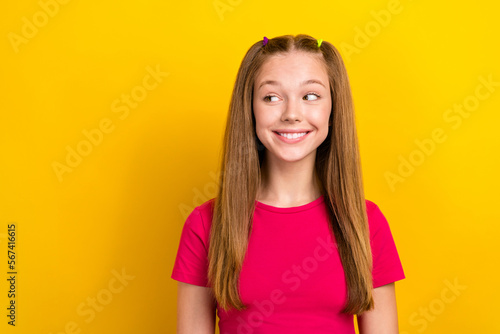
{"x": 262, "y": 119}
{"x": 260, "y": 123}
{"x": 327, "y": 113}
{"x": 261, "y": 131}
{"x": 320, "y": 118}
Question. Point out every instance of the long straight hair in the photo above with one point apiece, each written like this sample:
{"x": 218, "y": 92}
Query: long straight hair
{"x": 337, "y": 165}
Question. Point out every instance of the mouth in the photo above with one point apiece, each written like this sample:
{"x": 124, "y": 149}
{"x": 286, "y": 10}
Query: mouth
{"x": 292, "y": 137}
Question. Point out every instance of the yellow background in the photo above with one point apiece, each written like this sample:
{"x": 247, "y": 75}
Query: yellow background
{"x": 122, "y": 207}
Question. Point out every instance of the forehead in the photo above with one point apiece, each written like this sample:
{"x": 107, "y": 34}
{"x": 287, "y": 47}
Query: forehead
{"x": 293, "y": 64}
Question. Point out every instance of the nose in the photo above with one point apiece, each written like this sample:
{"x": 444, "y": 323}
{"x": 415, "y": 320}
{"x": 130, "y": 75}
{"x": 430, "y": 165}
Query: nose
{"x": 292, "y": 111}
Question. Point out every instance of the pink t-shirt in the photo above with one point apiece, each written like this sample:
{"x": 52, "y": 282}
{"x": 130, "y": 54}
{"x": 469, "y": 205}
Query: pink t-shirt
{"x": 292, "y": 278}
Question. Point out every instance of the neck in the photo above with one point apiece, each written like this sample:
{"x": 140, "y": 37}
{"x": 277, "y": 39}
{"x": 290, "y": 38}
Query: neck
{"x": 285, "y": 183}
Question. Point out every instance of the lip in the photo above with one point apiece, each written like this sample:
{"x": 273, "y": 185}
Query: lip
{"x": 292, "y": 130}
{"x": 292, "y": 141}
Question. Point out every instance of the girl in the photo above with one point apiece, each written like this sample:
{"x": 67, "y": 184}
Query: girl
{"x": 289, "y": 244}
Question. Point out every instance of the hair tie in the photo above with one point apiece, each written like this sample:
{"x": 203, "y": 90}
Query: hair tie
{"x": 265, "y": 41}
{"x": 319, "y": 42}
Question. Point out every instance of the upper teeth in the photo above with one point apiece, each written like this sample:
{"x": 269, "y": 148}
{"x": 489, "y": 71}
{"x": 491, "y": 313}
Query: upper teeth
{"x": 292, "y": 136}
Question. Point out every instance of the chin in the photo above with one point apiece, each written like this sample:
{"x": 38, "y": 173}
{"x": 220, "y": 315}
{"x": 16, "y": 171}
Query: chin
{"x": 291, "y": 158}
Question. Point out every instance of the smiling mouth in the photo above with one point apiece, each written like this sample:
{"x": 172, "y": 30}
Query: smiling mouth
{"x": 290, "y": 135}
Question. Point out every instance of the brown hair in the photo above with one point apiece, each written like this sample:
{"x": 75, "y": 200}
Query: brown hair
{"x": 337, "y": 164}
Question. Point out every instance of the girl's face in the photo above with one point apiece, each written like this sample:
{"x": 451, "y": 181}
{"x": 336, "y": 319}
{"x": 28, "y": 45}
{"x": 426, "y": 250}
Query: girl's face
{"x": 292, "y": 96}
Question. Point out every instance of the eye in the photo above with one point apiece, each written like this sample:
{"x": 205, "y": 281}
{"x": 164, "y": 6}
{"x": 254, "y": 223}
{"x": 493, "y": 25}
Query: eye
{"x": 314, "y": 94}
{"x": 269, "y": 96}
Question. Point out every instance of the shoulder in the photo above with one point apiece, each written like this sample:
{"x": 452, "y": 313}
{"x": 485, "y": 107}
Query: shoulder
{"x": 387, "y": 266}
{"x": 206, "y": 209}
{"x": 200, "y": 218}
{"x": 370, "y": 206}
{"x": 376, "y": 219}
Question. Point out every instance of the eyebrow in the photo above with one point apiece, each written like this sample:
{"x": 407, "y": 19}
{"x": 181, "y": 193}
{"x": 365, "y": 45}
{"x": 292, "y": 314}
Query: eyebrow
{"x": 276, "y": 83}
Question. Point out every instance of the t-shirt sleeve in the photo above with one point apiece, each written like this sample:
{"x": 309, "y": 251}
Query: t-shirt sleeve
{"x": 387, "y": 267}
{"x": 191, "y": 262}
